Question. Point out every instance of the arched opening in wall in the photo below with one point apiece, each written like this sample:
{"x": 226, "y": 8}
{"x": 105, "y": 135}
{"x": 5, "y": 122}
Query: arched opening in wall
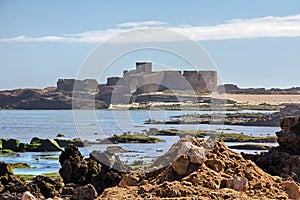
{"x": 133, "y": 85}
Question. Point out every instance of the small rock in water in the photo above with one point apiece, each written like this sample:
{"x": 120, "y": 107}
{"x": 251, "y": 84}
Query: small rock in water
{"x": 115, "y": 149}
{"x": 28, "y": 196}
{"x": 159, "y": 150}
{"x": 60, "y": 135}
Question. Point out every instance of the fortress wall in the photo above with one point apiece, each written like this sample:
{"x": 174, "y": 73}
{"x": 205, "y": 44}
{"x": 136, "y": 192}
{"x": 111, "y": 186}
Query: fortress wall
{"x": 173, "y": 80}
{"x": 195, "y": 80}
{"x": 205, "y": 81}
{"x": 190, "y": 73}
{"x": 143, "y": 67}
{"x": 81, "y": 85}
{"x": 112, "y": 81}
{"x": 130, "y": 83}
{"x": 211, "y": 80}
{"x": 89, "y": 84}
{"x": 65, "y": 84}
{"x": 151, "y": 82}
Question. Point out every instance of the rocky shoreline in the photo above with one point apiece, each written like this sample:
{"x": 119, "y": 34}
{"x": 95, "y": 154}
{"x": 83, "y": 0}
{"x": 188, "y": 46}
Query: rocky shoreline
{"x": 48, "y": 99}
{"x": 218, "y": 174}
{"x": 243, "y": 119}
{"x": 192, "y": 168}
{"x": 8, "y": 145}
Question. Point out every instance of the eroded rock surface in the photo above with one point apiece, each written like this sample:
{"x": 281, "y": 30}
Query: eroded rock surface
{"x": 283, "y": 160}
{"x": 100, "y": 170}
{"x": 8, "y": 181}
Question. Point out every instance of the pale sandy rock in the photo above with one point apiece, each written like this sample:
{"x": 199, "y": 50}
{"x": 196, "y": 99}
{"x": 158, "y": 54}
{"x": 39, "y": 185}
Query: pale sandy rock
{"x": 28, "y": 196}
{"x": 292, "y": 189}
{"x": 129, "y": 180}
{"x": 87, "y": 192}
{"x": 237, "y": 183}
{"x": 181, "y": 165}
{"x": 195, "y": 153}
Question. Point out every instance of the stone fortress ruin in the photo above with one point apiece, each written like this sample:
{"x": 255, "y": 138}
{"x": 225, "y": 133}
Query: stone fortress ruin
{"x": 143, "y": 80}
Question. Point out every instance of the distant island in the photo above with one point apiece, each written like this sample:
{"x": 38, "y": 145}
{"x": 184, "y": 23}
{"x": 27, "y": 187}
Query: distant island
{"x": 139, "y": 87}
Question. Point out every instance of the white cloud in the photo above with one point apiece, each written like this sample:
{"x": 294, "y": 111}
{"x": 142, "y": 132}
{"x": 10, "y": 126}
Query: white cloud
{"x": 270, "y": 26}
{"x": 141, "y": 24}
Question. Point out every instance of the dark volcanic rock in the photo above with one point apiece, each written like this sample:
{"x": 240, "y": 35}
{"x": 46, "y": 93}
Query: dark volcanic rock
{"x": 11, "y": 144}
{"x": 63, "y": 143}
{"x": 100, "y": 170}
{"x": 74, "y": 166}
{"x": 9, "y": 182}
{"x": 38, "y": 144}
{"x": 42, "y": 186}
{"x": 283, "y": 160}
{"x": 289, "y": 137}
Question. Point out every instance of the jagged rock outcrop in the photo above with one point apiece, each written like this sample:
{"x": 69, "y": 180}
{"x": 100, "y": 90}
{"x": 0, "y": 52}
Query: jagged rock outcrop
{"x": 221, "y": 174}
{"x": 283, "y": 160}
{"x": 14, "y": 187}
{"x": 275, "y": 118}
{"x": 39, "y": 144}
{"x": 100, "y": 169}
{"x": 8, "y": 181}
{"x": 47, "y": 98}
{"x": 45, "y": 187}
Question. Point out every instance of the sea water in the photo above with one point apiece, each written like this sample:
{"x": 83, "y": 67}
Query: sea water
{"x": 94, "y": 124}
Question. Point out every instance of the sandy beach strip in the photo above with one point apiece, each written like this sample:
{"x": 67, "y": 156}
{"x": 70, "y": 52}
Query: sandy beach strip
{"x": 255, "y": 99}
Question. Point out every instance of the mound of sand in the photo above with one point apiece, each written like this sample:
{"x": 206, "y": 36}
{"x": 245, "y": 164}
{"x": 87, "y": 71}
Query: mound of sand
{"x": 216, "y": 173}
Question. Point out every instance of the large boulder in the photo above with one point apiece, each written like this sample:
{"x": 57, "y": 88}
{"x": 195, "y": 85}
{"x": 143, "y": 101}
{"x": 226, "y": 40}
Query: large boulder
{"x": 63, "y": 143}
{"x": 45, "y": 187}
{"x": 40, "y": 145}
{"x": 99, "y": 170}
{"x": 289, "y": 137}
{"x": 12, "y": 144}
{"x": 10, "y": 182}
{"x": 283, "y": 160}
{"x": 74, "y": 168}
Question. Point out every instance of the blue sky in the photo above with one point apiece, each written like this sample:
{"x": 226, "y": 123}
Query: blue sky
{"x": 254, "y": 43}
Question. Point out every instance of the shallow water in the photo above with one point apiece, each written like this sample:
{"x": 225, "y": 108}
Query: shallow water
{"x": 91, "y": 125}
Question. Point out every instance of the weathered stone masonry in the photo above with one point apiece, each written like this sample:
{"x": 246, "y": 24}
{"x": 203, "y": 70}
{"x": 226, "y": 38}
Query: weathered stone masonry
{"x": 143, "y": 80}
